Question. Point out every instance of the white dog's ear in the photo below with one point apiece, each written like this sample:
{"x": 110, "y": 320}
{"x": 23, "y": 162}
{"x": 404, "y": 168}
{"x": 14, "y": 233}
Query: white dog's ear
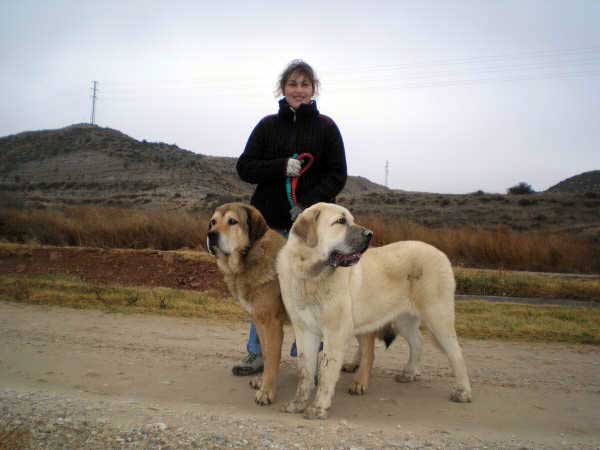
{"x": 305, "y": 227}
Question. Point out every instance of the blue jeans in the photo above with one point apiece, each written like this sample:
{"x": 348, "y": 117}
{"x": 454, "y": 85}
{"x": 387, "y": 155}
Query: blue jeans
{"x": 253, "y": 344}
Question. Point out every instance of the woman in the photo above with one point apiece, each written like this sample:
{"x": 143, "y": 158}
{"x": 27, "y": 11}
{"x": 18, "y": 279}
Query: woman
{"x": 269, "y": 161}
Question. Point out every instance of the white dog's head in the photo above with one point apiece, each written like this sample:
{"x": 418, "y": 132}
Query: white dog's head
{"x": 233, "y": 228}
{"x": 330, "y": 231}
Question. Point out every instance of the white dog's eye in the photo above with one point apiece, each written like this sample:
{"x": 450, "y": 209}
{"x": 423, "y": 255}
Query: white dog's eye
{"x": 341, "y": 220}
{"x": 212, "y": 223}
{"x": 232, "y": 221}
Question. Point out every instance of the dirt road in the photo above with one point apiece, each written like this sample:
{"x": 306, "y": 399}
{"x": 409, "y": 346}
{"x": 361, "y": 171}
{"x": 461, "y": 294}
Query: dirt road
{"x": 87, "y": 379}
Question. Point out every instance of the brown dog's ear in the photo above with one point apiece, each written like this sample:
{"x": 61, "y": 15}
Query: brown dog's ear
{"x": 257, "y": 225}
{"x": 305, "y": 227}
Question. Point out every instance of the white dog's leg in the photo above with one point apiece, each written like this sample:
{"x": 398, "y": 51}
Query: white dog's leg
{"x": 329, "y": 373}
{"x": 408, "y": 326}
{"x": 308, "y": 350}
{"x": 441, "y": 325}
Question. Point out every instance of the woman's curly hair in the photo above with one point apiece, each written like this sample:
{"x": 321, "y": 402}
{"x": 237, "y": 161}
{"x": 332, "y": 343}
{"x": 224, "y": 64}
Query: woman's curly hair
{"x": 300, "y": 67}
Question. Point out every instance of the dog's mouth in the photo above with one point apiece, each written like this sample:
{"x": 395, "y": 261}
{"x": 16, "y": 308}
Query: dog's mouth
{"x": 337, "y": 259}
{"x": 212, "y": 243}
{"x": 341, "y": 259}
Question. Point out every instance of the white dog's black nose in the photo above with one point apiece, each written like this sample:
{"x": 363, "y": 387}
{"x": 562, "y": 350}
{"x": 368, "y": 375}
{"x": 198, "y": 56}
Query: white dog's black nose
{"x": 367, "y": 236}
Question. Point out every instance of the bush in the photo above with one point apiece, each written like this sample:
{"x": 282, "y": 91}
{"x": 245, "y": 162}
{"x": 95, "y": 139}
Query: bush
{"x": 520, "y": 189}
{"x": 103, "y": 226}
{"x": 526, "y": 202}
{"x": 502, "y": 247}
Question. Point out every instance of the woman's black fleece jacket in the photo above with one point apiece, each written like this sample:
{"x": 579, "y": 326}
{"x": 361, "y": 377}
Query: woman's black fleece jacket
{"x": 273, "y": 141}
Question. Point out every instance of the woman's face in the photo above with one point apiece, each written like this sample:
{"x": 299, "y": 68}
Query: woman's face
{"x": 297, "y": 90}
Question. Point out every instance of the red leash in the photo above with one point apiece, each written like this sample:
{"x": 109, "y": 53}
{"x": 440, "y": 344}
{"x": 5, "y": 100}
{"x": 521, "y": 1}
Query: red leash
{"x": 291, "y": 184}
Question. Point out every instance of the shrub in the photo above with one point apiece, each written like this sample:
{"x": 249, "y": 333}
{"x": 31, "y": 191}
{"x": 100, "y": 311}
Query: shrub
{"x": 520, "y": 189}
{"x": 96, "y": 226}
{"x": 502, "y": 247}
{"x": 526, "y": 202}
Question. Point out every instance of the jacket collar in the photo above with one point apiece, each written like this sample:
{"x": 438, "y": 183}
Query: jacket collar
{"x": 305, "y": 111}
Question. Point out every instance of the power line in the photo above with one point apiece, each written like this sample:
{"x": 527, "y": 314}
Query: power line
{"x": 536, "y": 60}
{"x": 449, "y": 72}
{"x": 564, "y": 53}
{"x": 388, "y": 85}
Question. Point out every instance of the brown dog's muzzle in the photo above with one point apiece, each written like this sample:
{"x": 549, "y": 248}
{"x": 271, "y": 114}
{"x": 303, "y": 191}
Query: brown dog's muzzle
{"x": 212, "y": 242}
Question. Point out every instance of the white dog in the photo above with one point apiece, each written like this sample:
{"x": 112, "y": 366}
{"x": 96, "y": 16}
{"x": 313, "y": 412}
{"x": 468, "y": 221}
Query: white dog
{"x": 326, "y": 299}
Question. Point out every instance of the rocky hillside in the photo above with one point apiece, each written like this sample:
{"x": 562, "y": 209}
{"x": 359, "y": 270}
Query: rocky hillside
{"x": 87, "y": 164}
{"x": 90, "y": 165}
{"x": 582, "y": 183}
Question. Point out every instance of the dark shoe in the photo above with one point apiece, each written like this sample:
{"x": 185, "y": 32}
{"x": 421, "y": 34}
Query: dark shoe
{"x": 250, "y": 365}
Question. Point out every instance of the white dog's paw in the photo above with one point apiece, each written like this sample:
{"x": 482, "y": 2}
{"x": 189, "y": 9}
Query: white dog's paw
{"x": 460, "y": 395}
{"x": 357, "y": 388}
{"x": 256, "y": 383}
{"x": 407, "y": 376}
{"x": 264, "y": 397}
{"x": 293, "y": 407}
{"x": 315, "y": 412}
{"x": 350, "y": 367}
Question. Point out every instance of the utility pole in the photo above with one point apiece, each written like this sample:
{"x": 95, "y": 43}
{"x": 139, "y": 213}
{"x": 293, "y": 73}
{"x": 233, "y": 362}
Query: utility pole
{"x": 387, "y": 172}
{"x": 94, "y": 96}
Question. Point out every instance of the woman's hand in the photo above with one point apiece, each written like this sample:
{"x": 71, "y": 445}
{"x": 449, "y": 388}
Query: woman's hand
{"x": 293, "y": 168}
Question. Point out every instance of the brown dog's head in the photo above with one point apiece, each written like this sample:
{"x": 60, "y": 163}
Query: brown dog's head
{"x": 234, "y": 228}
{"x": 330, "y": 231}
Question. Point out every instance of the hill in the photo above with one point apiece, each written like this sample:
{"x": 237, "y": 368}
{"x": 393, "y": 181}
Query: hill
{"x": 87, "y": 164}
{"x": 582, "y": 183}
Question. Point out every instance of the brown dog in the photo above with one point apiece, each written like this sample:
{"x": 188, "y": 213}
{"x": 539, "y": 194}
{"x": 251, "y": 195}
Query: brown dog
{"x": 246, "y": 249}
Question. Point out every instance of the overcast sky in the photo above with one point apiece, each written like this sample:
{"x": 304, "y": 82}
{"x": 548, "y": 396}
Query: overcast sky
{"x": 456, "y": 95}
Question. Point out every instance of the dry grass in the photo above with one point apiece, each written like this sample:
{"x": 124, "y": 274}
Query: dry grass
{"x": 479, "y": 320}
{"x": 90, "y": 226}
{"x": 483, "y": 320}
{"x": 525, "y": 284}
{"x": 500, "y": 248}
{"x": 73, "y": 293}
{"x": 104, "y": 227}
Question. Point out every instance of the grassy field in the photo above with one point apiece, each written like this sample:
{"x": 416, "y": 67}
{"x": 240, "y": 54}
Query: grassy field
{"x": 500, "y": 247}
{"x": 470, "y": 281}
{"x": 504, "y": 283}
{"x": 475, "y": 319}
{"x": 73, "y": 293}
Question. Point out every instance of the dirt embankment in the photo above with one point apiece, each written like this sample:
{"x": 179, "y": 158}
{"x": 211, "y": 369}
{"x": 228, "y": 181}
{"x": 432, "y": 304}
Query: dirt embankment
{"x": 126, "y": 267}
